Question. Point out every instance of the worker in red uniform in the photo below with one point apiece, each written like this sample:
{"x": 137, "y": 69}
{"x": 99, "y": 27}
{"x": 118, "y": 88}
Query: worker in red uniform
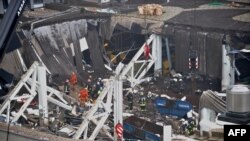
{"x": 73, "y": 79}
{"x": 83, "y": 96}
{"x": 146, "y": 51}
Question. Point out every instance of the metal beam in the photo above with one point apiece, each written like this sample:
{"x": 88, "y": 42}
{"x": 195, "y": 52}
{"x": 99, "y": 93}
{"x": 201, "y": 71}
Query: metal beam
{"x": 42, "y": 95}
{"x": 19, "y": 85}
{"x": 118, "y": 100}
{"x": 128, "y": 71}
{"x": 93, "y": 114}
{"x": 137, "y": 55}
{"x": 33, "y": 84}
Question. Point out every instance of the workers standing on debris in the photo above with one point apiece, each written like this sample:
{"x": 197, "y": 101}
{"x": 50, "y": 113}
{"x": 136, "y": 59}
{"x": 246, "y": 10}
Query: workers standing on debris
{"x": 67, "y": 87}
{"x": 130, "y": 100}
{"x": 100, "y": 83}
{"x": 73, "y": 79}
{"x": 94, "y": 92}
{"x": 146, "y": 51}
{"x": 83, "y": 96}
{"x": 89, "y": 85}
{"x": 142, "y": 102}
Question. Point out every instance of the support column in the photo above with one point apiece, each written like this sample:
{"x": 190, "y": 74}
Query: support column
{"x": 167, "y": 132}
{"x": 42, "y": 95}
{"x": 227, "y": 68}
{"x": 233, "y": 69}
{"x": 168, "y": 54}
{"x": 118, "y": 102}
{"x": 8, "y": 113}
{"x": 157, "y": 53}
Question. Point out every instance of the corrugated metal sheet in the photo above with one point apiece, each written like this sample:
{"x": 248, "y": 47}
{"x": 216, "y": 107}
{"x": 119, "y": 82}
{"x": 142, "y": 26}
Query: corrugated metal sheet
{"x": 214, "y": 54}
{"x": 208, "y": 46}
{"x": 182, "y": 42}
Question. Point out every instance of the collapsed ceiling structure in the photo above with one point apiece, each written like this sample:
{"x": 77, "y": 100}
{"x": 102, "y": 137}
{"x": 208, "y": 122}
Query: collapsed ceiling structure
{"x": 95, "y": 42}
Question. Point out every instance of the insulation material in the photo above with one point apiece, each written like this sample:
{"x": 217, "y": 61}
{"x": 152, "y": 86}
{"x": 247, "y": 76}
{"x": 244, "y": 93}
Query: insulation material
{"x": 210, "y": 100}
{"x": 150, "y": 9}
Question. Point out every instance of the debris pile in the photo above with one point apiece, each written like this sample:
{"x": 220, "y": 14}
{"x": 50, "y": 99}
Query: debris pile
{"x": 150, "y": 9}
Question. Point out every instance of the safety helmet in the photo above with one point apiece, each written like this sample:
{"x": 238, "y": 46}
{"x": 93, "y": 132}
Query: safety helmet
{"x": 89, "y": 80}
{"x": 106, "y": 45}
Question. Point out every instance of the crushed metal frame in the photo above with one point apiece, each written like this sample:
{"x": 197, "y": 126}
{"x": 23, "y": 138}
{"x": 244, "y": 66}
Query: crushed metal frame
{"x": 34, "y": 80}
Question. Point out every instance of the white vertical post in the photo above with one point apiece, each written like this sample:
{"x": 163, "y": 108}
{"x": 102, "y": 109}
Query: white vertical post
{"x": 132, "y": 75}
{"x": 42, "y": 94}
{"x": 154, "y": 49}
{"x": 157, "y": 53}
{"x": 8, "y": 113}
{"x": 226, "y": 69}
{"x": 233, "y": 69}
{"x": 118, "y": 102}
{"x": 167, "y": 132}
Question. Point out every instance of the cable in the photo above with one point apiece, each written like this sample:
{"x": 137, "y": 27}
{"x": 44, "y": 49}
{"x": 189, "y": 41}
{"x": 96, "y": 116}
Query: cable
{"x": 242, "y": 55}
{"x": 8, "y": 132}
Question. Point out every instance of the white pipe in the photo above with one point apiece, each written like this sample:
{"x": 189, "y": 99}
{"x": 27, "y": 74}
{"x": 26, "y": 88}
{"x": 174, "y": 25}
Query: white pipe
{"x": 42, "y": 94}
{"x": 226, "y": 68}
{"x": 167, "y": 132}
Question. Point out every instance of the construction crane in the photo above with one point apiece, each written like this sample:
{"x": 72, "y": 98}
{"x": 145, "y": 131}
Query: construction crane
{"x": 8, "y": 24}
{"x": 8, "y": 34}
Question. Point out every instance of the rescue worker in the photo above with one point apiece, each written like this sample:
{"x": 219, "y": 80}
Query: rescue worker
{"x": 146, "y": 51}
{"x": 83, "y": 96}
{"x": 73, "y": 79}
{"x": 94, "y": 92}
{"x": 142, "y": 102}
{"x": 66, "y": 87}
{"x": 190, "y": 127}
{"x": 130, "y": 100}
{"x": 100, "y": 83}
{"x": 89, "y": 85}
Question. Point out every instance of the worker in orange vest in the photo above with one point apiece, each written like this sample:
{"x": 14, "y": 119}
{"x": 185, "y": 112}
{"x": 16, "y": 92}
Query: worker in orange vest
{"x": 73, "y": 79}
{"x": 83, "y": 96}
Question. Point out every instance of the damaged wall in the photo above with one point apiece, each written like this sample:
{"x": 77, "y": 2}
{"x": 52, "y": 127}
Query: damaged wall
{"x": 129, "y": 24}
{"x": 59, "y": 48}
{"x": 207, "y": 44}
